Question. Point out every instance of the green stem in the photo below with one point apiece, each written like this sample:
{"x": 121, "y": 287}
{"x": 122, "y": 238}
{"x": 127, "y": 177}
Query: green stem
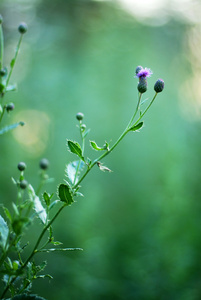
{"x": 83, "y": 144}
{"x": 34, "y": 251}
{"x": 119, "y": 139}
{"x": 1, "y": 46}
{"x": 2, "y": 114}
{"x": 14, "y": 60}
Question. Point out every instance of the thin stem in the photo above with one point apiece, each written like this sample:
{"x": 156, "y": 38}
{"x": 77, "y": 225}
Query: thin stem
{"x": 83, "y": 144}
{"x": 34, "y": 251}
{"x": 142, "y": 115}
{"x": 2, "y": 114}
{"x": 1, "y": 46}
{"x": 119, "y": 139}
{"x": 14, "y": 60}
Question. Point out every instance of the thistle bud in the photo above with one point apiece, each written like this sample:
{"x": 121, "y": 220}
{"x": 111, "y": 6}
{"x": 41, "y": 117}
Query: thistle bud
{"x": 44, "y": 164}
{"x": 21, "y": 166}
{"x": 23, "y": 184}
{"x": 22, "y": 28}
{"x": 3, "y": 72}
{"x": 79, "y": 116}
{"x": 159, "y": 86}
{"x": 138, "y": 69}
{"x": 10, "y": 107}
{"x": 142, "y": 85}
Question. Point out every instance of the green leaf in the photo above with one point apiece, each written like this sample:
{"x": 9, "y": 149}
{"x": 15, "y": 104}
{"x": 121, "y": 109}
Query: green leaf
{"x": 3, "y": 232}
{"x": 27, "y": 297}
{"x": 47, "y": 198}
{"x": 2, "y": 87}
{"x": 7, "y": 213}
{"x": 71, "y": 170}
{"x": 75, "y": 148}
{"x": 136, "y": 127}
{"x": 96, "y": 147}
{"x": 11, "y": 127}
{"x": 64, "y": 194}
{"x": 18, "y": 224}
{"x": 41, "y": 212}
{"x": 12, "y": 63}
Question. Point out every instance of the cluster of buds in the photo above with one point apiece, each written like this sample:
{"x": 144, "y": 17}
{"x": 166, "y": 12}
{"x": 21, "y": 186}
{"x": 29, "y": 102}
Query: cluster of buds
{"x": 142, "y": 74}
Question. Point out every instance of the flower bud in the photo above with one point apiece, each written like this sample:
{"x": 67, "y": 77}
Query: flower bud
{"x": 159, "y": 86}
{"x": 44, "y": 164}
{"x": 79, "y": 116}
{"x": 10, "y": 107}
{"x": 1, "y": 19}
{"x": 138, "y": 69}
{"x": 21, "y": 166}
{"x": 23, "y": 184}
{"x": 142, "y": 85}
{"x": 22, "y": 28}
{"x": 3, "y": 72}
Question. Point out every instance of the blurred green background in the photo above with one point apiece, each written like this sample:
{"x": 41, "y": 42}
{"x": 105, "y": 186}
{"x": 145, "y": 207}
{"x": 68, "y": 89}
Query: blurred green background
{"x": 139, "y": 226}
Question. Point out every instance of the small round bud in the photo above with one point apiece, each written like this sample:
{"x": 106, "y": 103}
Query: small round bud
{"x": 3, "y": 72}
{"x": 1, "y": 19}
{"x": 22, "y": 28}
{"x": 79, "y": 116}
{"x": 138, "y": 69}
{"x": 23, "y": 184}
{"x": 10, "y": 107}
{"x": 159, "y": 86}
{"x": 83, "y": 127}
{"x": 142, "y": 85}
{"x": 44, "y": 164}
{"x": 21, "y": 166}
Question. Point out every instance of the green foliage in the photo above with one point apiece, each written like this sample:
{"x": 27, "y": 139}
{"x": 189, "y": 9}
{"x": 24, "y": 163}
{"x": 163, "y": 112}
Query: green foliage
{"x": 75, "y": 148}
{"x": 18, "y": 268}
{"x": 65, "y": 194}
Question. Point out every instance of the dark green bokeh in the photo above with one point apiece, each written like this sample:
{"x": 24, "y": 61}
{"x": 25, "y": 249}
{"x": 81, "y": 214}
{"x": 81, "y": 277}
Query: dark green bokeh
{"x": 140, "y": 225}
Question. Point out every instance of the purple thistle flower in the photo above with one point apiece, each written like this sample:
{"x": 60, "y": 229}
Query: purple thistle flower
{"x": 144, "y": 73}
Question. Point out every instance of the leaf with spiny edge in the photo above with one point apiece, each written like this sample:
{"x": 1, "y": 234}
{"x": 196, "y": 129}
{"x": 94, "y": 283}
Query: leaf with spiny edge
{"x": 65, "y": 193}
{"x": 75, "y": 148}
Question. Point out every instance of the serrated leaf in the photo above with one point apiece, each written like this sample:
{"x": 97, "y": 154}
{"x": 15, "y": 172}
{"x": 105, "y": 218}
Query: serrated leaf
{"x": 75, "y": 148}
{"x": 11, "y": 127}
{"x": 103, "y": 168}
{"x": 96, "y": 147}
{"x": 39, "y": 209}
{"x": 27, "y": 297}
{"x": 136, "y": 127}
{"x": 3, "y": 232}
{"x": 73, "y": 168}
{"x": 64, "y": 194}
